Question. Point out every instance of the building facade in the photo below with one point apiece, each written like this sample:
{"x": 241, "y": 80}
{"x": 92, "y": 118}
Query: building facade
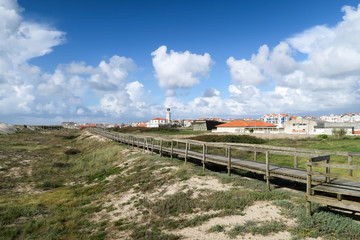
{"x": 331, "y": 118}
{"x": 302, "y": 126}
{"x": 277, "y": 119}
{"x": 351, "y": 117}
{"x": 241, "y": 126}
{"x": 157, "y": 122}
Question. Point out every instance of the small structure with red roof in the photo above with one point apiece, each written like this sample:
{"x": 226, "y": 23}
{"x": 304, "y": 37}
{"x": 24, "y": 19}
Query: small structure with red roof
{"x": 157, "y": 122}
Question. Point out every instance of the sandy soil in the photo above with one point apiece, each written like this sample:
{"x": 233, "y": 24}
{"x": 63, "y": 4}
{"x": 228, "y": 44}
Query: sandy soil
{"x": 260, "y": 211}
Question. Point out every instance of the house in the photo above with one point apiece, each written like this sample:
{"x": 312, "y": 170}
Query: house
{"x": 331, "y": 118}
{"x": 241, "y": 126}
{"x": 187, "y": 122}
{"x": 277, "y": 119}
{"x": 157, "y": 122}
{"x": 204, "y": 125}
{"x": 351, "y": 117}
{"x": 134, "y": 124}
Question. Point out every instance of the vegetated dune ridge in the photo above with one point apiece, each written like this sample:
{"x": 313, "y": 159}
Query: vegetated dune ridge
{"x": 74, "y": 185}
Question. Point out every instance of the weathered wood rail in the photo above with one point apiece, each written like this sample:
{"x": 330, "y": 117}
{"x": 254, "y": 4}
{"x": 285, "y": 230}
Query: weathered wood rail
{"x": 337, "y": 190}
{"x": 44, "y": 127}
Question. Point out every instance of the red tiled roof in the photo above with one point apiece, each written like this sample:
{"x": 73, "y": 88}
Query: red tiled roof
{"x": 159, "y": 118}
{"x": 241, "y": 123}
{"x": 142, "y": 125}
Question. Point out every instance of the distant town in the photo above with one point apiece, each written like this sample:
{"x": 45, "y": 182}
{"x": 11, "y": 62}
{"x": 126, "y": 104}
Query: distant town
{"x": 268, "y": 123}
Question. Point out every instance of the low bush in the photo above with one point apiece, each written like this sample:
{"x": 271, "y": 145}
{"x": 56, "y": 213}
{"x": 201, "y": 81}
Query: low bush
{"x": 257, "y": 227}
{"x": 72, "y": 151}
{"x": 322, "y": 136}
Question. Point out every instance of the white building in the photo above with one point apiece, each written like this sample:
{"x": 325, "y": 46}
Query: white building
{"x": 241, "y": 126}
{"x": 187, "y": 122}
{"x": 277, "y": 119}
{"x": 316, "y": 126}
{"x": 157, "y": 122}
{"x": 351, "y": 117}
{"x": 331, "y": 118}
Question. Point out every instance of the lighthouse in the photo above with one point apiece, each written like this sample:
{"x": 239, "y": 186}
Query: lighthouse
{"x": 168, "y": 116}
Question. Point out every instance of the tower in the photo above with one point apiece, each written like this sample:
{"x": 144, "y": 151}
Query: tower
{"x": 168, "y": 116}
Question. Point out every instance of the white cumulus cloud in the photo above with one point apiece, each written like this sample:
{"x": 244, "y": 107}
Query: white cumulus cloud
{"x": 176, "y": 70}
{"x": 327, "y": 77}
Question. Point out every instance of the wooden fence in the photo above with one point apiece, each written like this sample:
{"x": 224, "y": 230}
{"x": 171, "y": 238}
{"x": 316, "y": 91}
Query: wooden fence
{"x": 325, "y": 184}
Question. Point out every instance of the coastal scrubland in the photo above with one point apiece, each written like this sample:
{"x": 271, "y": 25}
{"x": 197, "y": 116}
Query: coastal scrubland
{"x": 69, "y": 184}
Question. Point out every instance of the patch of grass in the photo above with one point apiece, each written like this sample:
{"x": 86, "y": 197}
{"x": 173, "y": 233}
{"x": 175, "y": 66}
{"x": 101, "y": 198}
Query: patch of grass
{"x": 174, "y": 205}
{"x": 101, "y": 175}
{"x": 236, "y": 200}
{"x": 216, "y": 228}
{"x": 146, "y": 232}
{"x": 321, "y": 224}
{"x": 257, "y": 227}
{"x": 70, "y": 137}
{"x": 72, "y": 151}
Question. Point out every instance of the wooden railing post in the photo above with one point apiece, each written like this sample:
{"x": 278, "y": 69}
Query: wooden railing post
{"x": 144, "y": 144}
{"x": 308, "y": 187}
{"x": 296, "y": 161}
{"x": 160, "y": 147}
{"x": 350, "y": 162}
{"x": 172, "y": 148}
{"x": 229, "y": 160}
{"x": 186, "y": 151}
{"x": 204, "y": 156}
{"x": 255, "y": 155}
{"x": 267, "y": 171}
{"x": 133, "y": 141}
{"x": 328, "y": 171}
{"x": 152, "y": 146}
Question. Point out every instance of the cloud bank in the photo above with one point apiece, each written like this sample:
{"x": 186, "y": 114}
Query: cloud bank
{"x": 314, "y": 70}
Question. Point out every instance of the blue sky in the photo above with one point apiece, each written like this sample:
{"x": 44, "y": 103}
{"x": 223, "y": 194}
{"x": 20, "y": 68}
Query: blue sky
{"x": 121, "y": 61}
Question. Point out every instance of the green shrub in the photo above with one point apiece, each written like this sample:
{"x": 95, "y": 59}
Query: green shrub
{"x": 338, "y": 133}
{"x": 216, "y": 228}
{"x": 322, "y": 136}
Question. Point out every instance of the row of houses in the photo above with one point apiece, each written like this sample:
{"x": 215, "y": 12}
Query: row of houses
{"x": 297, "y": 125}
{"x": 347, "y": 117}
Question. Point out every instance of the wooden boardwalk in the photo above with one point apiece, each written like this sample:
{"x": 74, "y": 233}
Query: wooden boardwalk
{"x": 342, "y": 191}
